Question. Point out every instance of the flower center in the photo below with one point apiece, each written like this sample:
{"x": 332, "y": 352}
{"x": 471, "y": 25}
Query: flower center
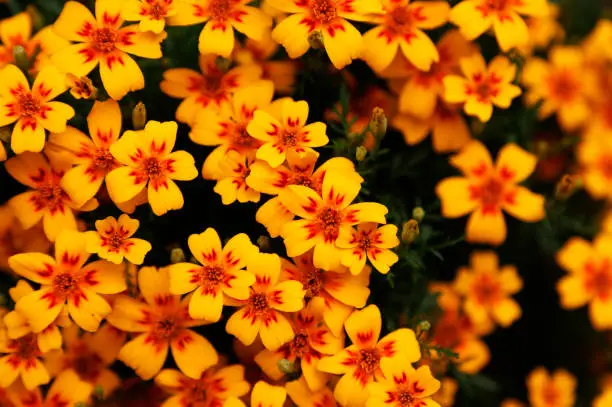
{"x": 487, "y": 289}
{"x": 300, "y": 345}
{"x": 289, "y": 138}
{"x": 103, "y": 39}
{"x": 219, "y": 9}
{"x": 490, "y": 194}
{"x": 29, "y": 106}
{"x": 313, "y": 281}
{"x": 153, "y": 168}
{"x": 402, "y": 19}
{"x": 165, "y": 329}
{"x": 26, "y": 346}
{"x": 103, "y": 160}
{"x": 83, "y": 87}
{"x": 446, "y": 332}
{"x": 241, "y": 139}
{"x": 497, "y": 5}
{"x": 363, "y": 240}
{"x": 64, "y": 284}
{"x": 550, "y": 394}
{"x": 114, "y": 241}
{"x": 599, "y": 278}
{"x": 51, "y": 196}
{"x": 330, "y": 219}
{"x": 198, "y": 392}
{"x": 405, "y": 398}
{"x": 87, "y": 365}
{"x": 258, "y": 302}
{"x": 324, "y": 11}
{"x": 211, "y": 277}
{"x": 157, "y": 11}
{"x": 564, "y": 86}
{"x": 368, "y": 360}
{"x": 302, "y": 179}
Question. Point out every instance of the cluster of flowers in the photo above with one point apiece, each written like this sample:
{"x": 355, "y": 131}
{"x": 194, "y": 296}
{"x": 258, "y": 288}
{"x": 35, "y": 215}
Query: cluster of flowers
{"x": 288, "y": 314}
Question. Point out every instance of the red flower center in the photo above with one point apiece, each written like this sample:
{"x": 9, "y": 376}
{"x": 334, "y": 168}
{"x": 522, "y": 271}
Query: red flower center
{"x": 368, "y": 360}
{"x": 114, "y": 241}
{"x": 599, "y": 278}
{"x": 486, "y": 289}
{"x": 329, "y": 219}
{"x": 258, "y": 302}
{"x": 484, "y": 86}
{"x": 242, "y": 141}
{"x": 210, "y": 277}
{"x": 303, "y": 179}
{"x": 64, "y": 284}
{"x": 157, "y": 9}
{"x": 405, "y": 398}
{"x": 313, "y": 281}
{"x": 289, "y": 137}
{"x": 104, "y": 39}
{"x": 26, "y": 347}
{"x": 50, "y": 196}
{"x": 29, "y": 106}
{"x": 165, "y": 329}
{"x": 403, "y": 19}
{"x": 103, "y": 160}
{"x": 324, "y": 11}
{"x": 550, "y": 394}
{"x": 87, "y": 365}
{"x": 564, "y": 85}
{"x": 153, "y": 168}
{"x": 300, "y": 346}
{"x": 219, "y": 9}
{"x": 490, "y": 193}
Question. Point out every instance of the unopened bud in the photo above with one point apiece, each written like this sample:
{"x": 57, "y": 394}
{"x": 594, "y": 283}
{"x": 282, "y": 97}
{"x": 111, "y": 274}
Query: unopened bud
{"x": 98, "y": 393}
{"x": 37, "y": 19}
{"x": 541, "y": 147}
{"x": 286, "y": 366}
{"x": 567, "y": 185}
{"x": 5, "y": 134}
{"x": 223, "y": 64}
{"x": 424, "y": 326}
{"x": 410, "y": 231}
{"x": 378, "y": 123}
{"x": 81, "y": 88}
{"x": 139, "y": 116}
{"x": 315, "y": 39}
{"x": 418, "y": 213}
{"x": 264, "y": 243}
{"x": 21, "y": 58}
{"x": 177, "y": 255}
{"x": 360, "y": 153}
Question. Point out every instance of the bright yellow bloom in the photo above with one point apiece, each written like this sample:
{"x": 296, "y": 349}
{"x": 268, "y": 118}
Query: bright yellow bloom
{"x": 474, "y": 17}
{"x": 326, "y": 216}
{"x": 482, "y": 86}
{"x": 234, "y": 169}
{"x": 33, "y": 110}
{"x": 160, "y": 322}
{"x": 485, "y": 190}
{"x": 67, "y": 390}
{"x": 547, "y": 390}
{"x": 595, "y": 157}
{"x": 371, "y": 242}
{"x": 360, "y": 363}
{"x": 286, "y": 132}
{"x": 20, "y": 358}
{"x": 67, "y": 283}
{"x": 221, "y": 274}
{"x": 403, "y": 385}
{"x": 590, "y": 278}
{"x": 312, "y": 341}
{"x": 342, "y": 40}
{"x": 221, "y": 18}
{"x": 15, "y": 239}
{"x": 102, "y": 41}
{"x": 446, "y": 395}
{"x": 211, "y": 89}
{"x": 261, "y": 312}
{"x": 90, "y": 154}
{"x": 563, "y": 84}
{"x": 212, "y": 388}
{"x": 151, "y": 14}
{"x": 113, "y": 240}
{"x": 487, "y": 289}
{"x": 46, "y": 199}
{"x": 399, "y": 27}
{"x": 148, "y": 160}
{"x": 303, "y": 396}
{"x": 604, "y": 399}
{"x": 263, "y": 394}
{"x": 89, "y": 356}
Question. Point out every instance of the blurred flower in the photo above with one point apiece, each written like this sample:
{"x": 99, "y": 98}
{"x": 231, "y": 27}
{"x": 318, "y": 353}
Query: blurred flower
{"x": 15, "y": 239}
{"x": 20, "y": 358}
{"x": 556, "y": 389}
{"x": 67, "y": 390}
{"x": 402, "y": 383}
{"x": 543, "y": 30}
{"x": 595, "y": 157}
{"x": 604, "y": 399}
{"x": 151, "y": 14}
{"x": 303, "y": 396}
{"x": 446, "y": 395}
{"x": 371, "y": 242}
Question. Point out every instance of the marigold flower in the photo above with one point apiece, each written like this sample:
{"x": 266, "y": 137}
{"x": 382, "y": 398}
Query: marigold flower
{"x": 485, "y": 190}
{"x": 303, "y": 396}
{"x": 590, "y": 278}
{"x": 371, "y": 242}
{"x": 234, "y": 169}
{"x": 262, "y": 394}
{"x": 221, "y": 18}
{"x": 213, "y": 387}
{"x": 325, "y": 217}
{"x": 402, "y": 386}
{"x": 483, "y": 86}
{"x": 360, "y": 363}
{"x": 15, "y": 239}
{"x": 148, "y": 161}
{"x": 212, "y": 89}
{"x": 33, "y": 109}
{"x": 150, "y": 14}
{"x": 487, "y": 289}
{"x": 474, "y": 17}
{"x": 563, "y": 84}
{"x": 399, "y": 27}
{"x": 261, "y": 313}
{"x": 46, "y": 199}
{"x": 20, "y": 358}
{"x": 67, "y": 390}
{"x": 113, "y": 240}
{"x": 161, "y": 322}
{"x": 342, "y": 40}
{"x": 101, "y": 40}
{"x": 89, "y": 356}
{"x": 594, "y": 154}
{"x": 557, "y": 389}
{"x": 221, "y": 274}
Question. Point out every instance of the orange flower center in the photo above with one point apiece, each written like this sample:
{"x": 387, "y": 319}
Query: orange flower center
{"x": 241, "y": 140}
{"x": 550, "y": 394}
{"x": 258, "y": 302}
{"x": 64, "y": 284}
{"x": 87, "y": 365}
{"x": 486, "y": 289}
{"x": 329, "y": 219}
{"x": 364, "y": 242}
{"x": 484, "y": 86}
{"x": 153, "y": 168}
{"x": 289, "y": 137}
{"x": 198, "y": 392}
{"x": 26, "y": 347}
{"x": 157, "y": 9}
{"x": 165, "y": 329}
{"x": 368, "y": 360}
{"x": 50, "y": 196}
{"x": 599, "y": 278}
{"x": 446, "y": 332}
{"x": 210, "y": 277}
{"x": 403, "y": 19}
{"x": 114, "y": 241}
{"x": 300, "y": 346}
{"x": 104, "y": 39}
{"x": 405, "y": 398}
{"x": 313, "y": 281}
{"x": 219, "y": 9}
{"x": 324, "y": 11}
{"x": 564, "y": 86}
{"x": 490, "y": 193}
{"x": 498, "y": 5}
{"x": 29, "y": 106}
{"x": 103, "y": 160}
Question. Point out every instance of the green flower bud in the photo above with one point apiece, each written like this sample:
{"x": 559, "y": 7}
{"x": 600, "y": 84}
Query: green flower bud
{"x": 139, "y": 116}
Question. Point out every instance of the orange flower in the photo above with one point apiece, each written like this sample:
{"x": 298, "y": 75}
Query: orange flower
{"x": 161, "y": 322}
{"x": 20, "y": 358}
{"x": 46, "y": 199}
{"x": 399, "y": 27}
{"x": 113, "y": 240}
{"x": 151, "y": 14}
{"x": 595, "y": 156}
{"x": 261, "y": 313}
{"x": 303, "y": 396}
{"x": 221, "y": 274}
{"x": 483, "y": 86}
{"x": 33, "y": 109}
{"x": 102, "y": 40}
{"x": 371, "y": 242}
{"x": 485, "y": 190}
{"x": 360, "y": 363}
{"x": 67, "y": 283}
{"x": 401, "y": 383}
{"x": 212, "y": 89}
{"x": 547, "y": 390}
{"x": 67, "y": 390}
{"x": 15, "y": 239}
{"x": 234, "y": 169}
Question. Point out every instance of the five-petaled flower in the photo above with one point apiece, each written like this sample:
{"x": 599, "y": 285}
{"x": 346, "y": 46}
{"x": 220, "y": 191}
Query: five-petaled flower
{"x": 551, "y": 389}
{"x": 371, "y": 242}
{"x": 594, "y": 154}
{"x": 485, "y": 190}
{"x": 403, "y": 386}
{"x": 33, "y": 110}
{"x": 150, "y": 14}
{"x": 21, "y": 358}
{"x": 231, "y": 185}
{"x": 112, "y": 240}
{"x": 160, "y": 322}
{"x": 101, "y": 40}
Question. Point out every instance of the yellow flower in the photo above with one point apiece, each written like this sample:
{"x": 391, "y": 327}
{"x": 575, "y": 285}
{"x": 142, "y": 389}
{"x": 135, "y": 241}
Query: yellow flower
{"x": 67, "y": 283}
{"x": 15, "y": 239}
{"x": 212, "y": 388}
{"x": 487, "y": 289}
{"x": 590, "y": 278}
{"x": 89, "y": 356}
{"x": 160, "y": 322}
{"x": 342, "y": 40}
{"x": 148, "y": 160}
{"x": 371, "y": 242}
{"x": 399, "y": 27}
{"x": 46, "y": 199}
{"x": 360, "y": 363}
{"x": 303, "y": 396}
{"x": 482, "y": 86}
{"x": 263, "y": 394}
{"x": 221, "y": 274}
{"x": 261, "y": 312}
{"x": 286, "y": 132}
{"x": 474, "y": 17}
{"x": 33, "y": 110}
{"x": 325, "y": 217}
{"x": 564, "y": 86}
{"x": 446, "y": 395}
{"x": 113, "y": 240}
{"x": 403, "y": 385}
{"x": 221, "y": 18}
{"x": 212, "y": 89}
{"x": 234, "y": 169}
{"x": 547, "y": 390}
{"x": 595, "y": 157}
{"x": 20, "y": 358}
{"x": 102, "y": 41}
{"x": 151, "y": 14}
{"x": 486, "y": 189}
{"x": 67, "y": 390}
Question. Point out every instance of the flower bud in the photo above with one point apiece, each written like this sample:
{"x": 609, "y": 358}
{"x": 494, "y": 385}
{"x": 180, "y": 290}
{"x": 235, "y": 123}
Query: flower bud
{"x": 418, "y": 213}
{"x": 378, "y": 123}
{"x": 177, "y": 255}
{"x": 5, "y": 134}
{"x": 139, "y": 116}
{"x": 424, "y": 326}
{"x": 37, "y": 19}
{"x": 264, "y": 243}
{"x": 360, "y": 153}
{"x": 286, "y": 366}
{"x": 567, "y": 185}
{"x": 410, "y": 231}
{"x": 21, "y": 58}
{"x": 315, "y": 39}
{"x": 81, "y": 88}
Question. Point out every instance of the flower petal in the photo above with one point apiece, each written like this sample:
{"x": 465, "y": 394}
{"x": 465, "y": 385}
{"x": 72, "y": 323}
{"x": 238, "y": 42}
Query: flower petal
{"x": 144, "y": 356}
{"x": 120, "y": 75}
{"x": 88, "y": 309}
{"x": 193, "y": 354}
{"x": 363, "y": 326}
